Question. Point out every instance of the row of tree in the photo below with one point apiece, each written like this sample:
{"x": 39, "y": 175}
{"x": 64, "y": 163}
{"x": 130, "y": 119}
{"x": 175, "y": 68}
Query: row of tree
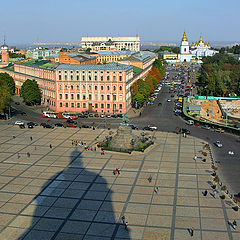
{"x": 219, "y": 76}
{"x": 234, "y": 49}
{"x": 7, "y": 89}
{"x": 29, "y": 91}
{"x": 168, "y": 48}
{"x": 142, "y": 89}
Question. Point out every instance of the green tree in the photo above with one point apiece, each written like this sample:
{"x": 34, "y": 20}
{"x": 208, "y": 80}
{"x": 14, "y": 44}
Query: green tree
{"x": 30, "y": 92}
{"x": 139, "y": 99}
{"x": 7, "y": 88}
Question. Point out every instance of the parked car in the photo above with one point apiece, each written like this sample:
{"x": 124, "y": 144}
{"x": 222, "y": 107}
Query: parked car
{"x": 205, "y": 127}
{"x": 17, "y": 103}
{"x": 30, "y": 126}
{"x": 71, "y": 125}
{"x": 102, "y": 116}
{"x": 23, "y": 113}
{"x": 169, "y": 100}
{"x": 133, "y": 126}
{"x": 90, "y": 115}
{"x": 190, "y": 122}
{"x": 177, "y": 114}
{"x": 58, "y": 125}
{"x": 32, "y": 123}
{"x": 85, "y": 126}
{"x": 150, "y": 127}
{"x": 108, "y": 115}
{"x": 218, "y": 144}
{"x": 96, "y": 115}
{"x": 119, "y": 115}
{"x": 19, "y": 123}
{"x": 113, "y": 116}
{"x": 48, "y": 126}
{"x": 186, "y": 131}
{"x": 71, "y": 121}
{"x": 43, "y": 124}
{"x": 219, "y": 130}
{"x": 159, "y": 104}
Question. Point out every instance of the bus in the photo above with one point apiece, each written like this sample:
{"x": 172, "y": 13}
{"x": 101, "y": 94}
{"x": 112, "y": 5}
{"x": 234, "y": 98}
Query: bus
{"x": 69, "y": 115}
{"x": 48, "y": 114}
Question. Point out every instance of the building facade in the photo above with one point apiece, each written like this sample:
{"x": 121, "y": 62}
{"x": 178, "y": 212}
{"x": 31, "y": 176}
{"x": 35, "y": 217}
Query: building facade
{"x": 114, "y": 43}
{"x": 185, "y": 54}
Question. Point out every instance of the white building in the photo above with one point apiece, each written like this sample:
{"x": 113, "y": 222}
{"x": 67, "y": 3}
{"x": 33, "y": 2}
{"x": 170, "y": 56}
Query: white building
{"x": 116, "y": 43}
{"x": 201, "y": 49}
{"x": 185, "y": 54}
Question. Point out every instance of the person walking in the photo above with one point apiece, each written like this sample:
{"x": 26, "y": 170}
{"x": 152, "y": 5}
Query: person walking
{"x": 156, "y": 190}
{"x": 191, "y": 231}
{"x": 126, "y": 225}
{"x": 205, "y": 193}
{"x": 123, "y": 220}
{"x": 18, "y": 155}
{"x": 150, "y": 179}
{"x": 31, "y": 138}
{"x": 234, "y": 224}
{"x": 28, "y": 154}
{"x": 195, "y": 157}
{"x": 50, "y": 145}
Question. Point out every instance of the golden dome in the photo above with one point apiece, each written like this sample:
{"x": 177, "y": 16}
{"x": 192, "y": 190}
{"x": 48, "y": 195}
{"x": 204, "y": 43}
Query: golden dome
{"x": 208, "y": 44}
{"x": 184, "y": 39}
{"x": 201, "y": 41}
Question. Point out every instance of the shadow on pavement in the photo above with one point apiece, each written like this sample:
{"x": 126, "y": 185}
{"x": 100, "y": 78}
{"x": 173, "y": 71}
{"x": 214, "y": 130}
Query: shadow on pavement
{"x": 74, "y": 204}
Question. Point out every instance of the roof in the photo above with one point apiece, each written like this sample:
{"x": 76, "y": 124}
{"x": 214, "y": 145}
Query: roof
{"x": 142, "y": 56}
{"x": 137, "y": 70}
{"x": 104, "y": 67}
{"x": 109, "y": 53}
{"x": 194, "y": 108}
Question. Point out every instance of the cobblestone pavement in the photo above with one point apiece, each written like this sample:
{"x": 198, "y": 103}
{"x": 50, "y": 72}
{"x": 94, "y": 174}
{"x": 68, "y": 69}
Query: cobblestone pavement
{"x": 66, "y": 192}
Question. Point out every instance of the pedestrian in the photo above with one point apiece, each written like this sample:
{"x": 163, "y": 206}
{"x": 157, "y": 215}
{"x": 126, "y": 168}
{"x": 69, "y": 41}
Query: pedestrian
{"x": 95, "y": 149}
{"x": 150, "y": 179}
{"x": 50, "y": 145}
{"x": 14, "y": 136}
{"x": 234, "y": 224}
{"x": 103, "y": 152}
{"x": 28, "y": 154}
{"x": 205, "y": 193}
{"x": 114, "y": 171}
{"x": 75, "y": 143}
{"x": 35, "y": 148}
{"x": 118, "y": 171}
{"x": 126, "y": 225}
{"x": 72, "y": 142}
{"x": 195, "y": 157}
{"x": 31, "y": 138}
{"x": 140, "y": 114}
{"x": 156, "y": 190}
{"x": 18, "y": 155}
{"x": 123, "y": 220}
{"x": 191, "y": 231}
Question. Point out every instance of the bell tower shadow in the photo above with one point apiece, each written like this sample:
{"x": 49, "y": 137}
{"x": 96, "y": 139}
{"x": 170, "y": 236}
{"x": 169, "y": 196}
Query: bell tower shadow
{"x": 74, "y": 204}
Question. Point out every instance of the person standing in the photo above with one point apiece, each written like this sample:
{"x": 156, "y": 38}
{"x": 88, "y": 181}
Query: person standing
{"x": 123, "y": 220}
{"x": 191, "y": 231}
{"x": 50, "y": 145}
{"x": 31, "y": 138}
{"x": 234, "y": 224}
{"x": 126, "y": 225}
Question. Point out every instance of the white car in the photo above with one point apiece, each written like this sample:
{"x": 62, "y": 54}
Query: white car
{"x": 169, "y": 100}
{"x": 19, "y": 123}
{"x": 218, "y": 144}
{"x": 230, "y": 152}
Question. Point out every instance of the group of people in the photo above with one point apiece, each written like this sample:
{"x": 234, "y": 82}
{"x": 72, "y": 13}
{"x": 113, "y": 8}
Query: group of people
{"x": 116, "y": 171}
{"x": 78, "y": 143}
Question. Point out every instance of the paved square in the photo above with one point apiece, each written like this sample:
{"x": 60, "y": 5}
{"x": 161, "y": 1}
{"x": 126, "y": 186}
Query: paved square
{"x": 66, "y": 192}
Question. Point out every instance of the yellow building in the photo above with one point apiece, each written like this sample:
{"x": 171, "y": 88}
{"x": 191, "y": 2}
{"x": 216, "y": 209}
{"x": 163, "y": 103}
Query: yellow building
{"x": 168, "y": 55}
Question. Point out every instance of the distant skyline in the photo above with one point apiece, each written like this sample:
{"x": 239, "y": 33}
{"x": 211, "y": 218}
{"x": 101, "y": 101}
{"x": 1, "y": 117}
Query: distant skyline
{"x": 27, "y": 21}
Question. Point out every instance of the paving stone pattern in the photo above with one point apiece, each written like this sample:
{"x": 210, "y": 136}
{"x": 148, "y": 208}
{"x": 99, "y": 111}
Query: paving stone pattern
{"x": 66, "y": 192}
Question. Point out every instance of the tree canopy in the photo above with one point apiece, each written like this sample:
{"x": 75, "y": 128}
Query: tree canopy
{"x": 142, "y": 89}
{"x": 30, "y": 92}
{"x": 220, "y": 76}
{"x": 168, "y": 48}
{"x": 7, "y": 89}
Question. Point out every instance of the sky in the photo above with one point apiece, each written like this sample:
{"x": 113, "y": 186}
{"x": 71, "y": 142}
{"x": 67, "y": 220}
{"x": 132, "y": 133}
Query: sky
{"x": 28, "y": 21}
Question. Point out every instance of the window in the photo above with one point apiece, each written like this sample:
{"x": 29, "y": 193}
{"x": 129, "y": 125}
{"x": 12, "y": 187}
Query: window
{"x": 108, "y": 88}
{"x": 120, "y": 78}
{"x": 120, "y": 106}
{"x": 108, "y": 105}
{"x": 66, "y": 104}
{"x": 95, "y": 87}
{"x": 101, "y": 78}
{"x": 72, "y": 96}
{"x": 90, "y": 87}
{"x": 83, "y": 86}
{"x": 102, "y": 97}
{"x": 83, "y": 78}
{"x": 101, "y": 87}
{"x": 71, "y": 71}
{"x": 114, "y": 78}
{"x": 65, "y": 71}
{"x": 114, "y": 88}
{"x": 95, "y": 77}
{"x": 90, "y": 97}
{"x": 78, "y": 105}
{"x": 96, "y": 97}
{"x": 71, "y": 77}
{"x": 77, "y": 87}
{"x": 60, "y": 104}
{"x": 77, "y": 77}
{"x": 77, "y": 71}
{"x": 59, "y": 72}
{"x": 65, "y": 87}
{"x": 71, "y": 87}
{"x": 78, "y": 96}
{"x": 60, "y": 87}
{"x": 108, "y": 97}
{"x": 114, "y": 97}
{"x": 65, "y": 77}
{"x": 84, "y": 105}
{"x": 60, "y": 77}
{"x": 66, "y": 96}
{"x": 108, "y": 78}
{"x": 84, "y": 97}
{"x": 102, "y": 105}
{"x": 120, "y": 88}
{"x": 72, "y": 105}
{"x": 120, "y": 97}
{"x": 60, "y": 96}
{"x": 96, "y": 105}
{"x": 89, "y": 77}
